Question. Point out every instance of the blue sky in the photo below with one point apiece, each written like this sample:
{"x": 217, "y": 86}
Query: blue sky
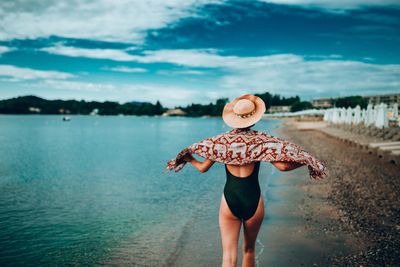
{"x": 187, "y": 51}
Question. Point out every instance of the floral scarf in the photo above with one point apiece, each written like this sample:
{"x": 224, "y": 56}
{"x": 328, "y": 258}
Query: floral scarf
{"x": 241, "y": 147}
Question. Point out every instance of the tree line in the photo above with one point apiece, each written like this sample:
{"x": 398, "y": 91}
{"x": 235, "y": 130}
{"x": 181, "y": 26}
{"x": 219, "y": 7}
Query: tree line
{"x": 212, "y": 109}
{"x": 35, "y": 105}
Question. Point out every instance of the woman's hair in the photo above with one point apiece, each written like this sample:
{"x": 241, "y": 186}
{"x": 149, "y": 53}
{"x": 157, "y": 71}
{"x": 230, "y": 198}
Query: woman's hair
{"x": 247, "y": 128}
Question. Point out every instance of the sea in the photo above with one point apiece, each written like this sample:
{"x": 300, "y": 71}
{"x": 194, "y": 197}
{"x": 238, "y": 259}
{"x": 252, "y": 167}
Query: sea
{"x": 95, "y": 191}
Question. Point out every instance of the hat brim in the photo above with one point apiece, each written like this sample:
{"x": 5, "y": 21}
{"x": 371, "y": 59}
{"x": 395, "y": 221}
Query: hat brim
{"x": 234, "y": 121}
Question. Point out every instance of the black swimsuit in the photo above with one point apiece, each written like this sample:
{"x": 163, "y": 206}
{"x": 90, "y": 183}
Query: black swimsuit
{"x": 242, "y": 193}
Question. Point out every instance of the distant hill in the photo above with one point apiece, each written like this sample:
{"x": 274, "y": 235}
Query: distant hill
{"x": 35, "y": 105}
{"x": 31, "y": 104}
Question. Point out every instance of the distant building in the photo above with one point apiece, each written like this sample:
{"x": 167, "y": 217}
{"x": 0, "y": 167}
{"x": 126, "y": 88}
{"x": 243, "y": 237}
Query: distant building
{"x": 275, "y": 109}
{"x": 34, "y": 109}
{"x": 94, "y": 112}
{"x": 64, "y": 111}
{"x": 388, "y": 99}
{"x": 174, "y": 112}
{"x": 322, "y": 103}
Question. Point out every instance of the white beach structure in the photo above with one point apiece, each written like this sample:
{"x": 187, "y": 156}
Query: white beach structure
{"x": 375, "y": 112}
{"x": 357, "y": 115}
{"x": 381, "y": 117}
{"x": 349, "y": 115}
{"x": 318, "y": 112}
{"x": 342, "y": 117}
{"x": 335, "y": 115}
{"x": 370, "y": 115}
{"x": 363, "y": 115}
{"x": 395, "y": 110}
{"x": 377, "y": 115}
{"x": 327, "y": 115}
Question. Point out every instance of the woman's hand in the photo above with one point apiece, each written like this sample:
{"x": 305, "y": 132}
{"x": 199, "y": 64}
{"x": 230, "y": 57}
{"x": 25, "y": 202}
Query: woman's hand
{"x": 188, "y": 157}
{"x": 286, "y": 166}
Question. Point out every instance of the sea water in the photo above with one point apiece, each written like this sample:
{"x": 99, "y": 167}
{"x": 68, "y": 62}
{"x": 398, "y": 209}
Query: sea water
{"x": 94, "y": 190}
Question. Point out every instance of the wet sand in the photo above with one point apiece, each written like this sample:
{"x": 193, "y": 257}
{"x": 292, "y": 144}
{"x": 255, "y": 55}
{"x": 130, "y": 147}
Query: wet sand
{"x": 295, "y": 231}
{"x": 349, "y": 219}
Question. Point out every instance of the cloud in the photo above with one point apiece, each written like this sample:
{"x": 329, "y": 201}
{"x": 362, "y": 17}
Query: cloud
{"x": 169, "y": 95}
{"x": 332, "y": 56}
{"x": 111, "y": 54}
{"x": 180, "y": 72}
{"x": 123, "y": 20}
{"x": 286, "y": 74}
{"x": 332, "y": 5}
{"x": 179, "y": 57}
{"x": 126, "y": 69}
{"x": 183, "y": 57}
{"x": 5, "y": 49}
{"x": 120, "y": 21}
{"x": 312, "y": 79}
{"x": 78, "y": 86}
{"x": 13, "y": 73}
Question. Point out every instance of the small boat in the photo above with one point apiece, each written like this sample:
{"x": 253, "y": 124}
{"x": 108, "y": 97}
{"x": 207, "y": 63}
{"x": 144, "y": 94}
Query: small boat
{"x": 66, "y": 118}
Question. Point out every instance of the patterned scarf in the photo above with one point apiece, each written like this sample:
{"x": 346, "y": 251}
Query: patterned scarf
{"x": 241, "y": 147}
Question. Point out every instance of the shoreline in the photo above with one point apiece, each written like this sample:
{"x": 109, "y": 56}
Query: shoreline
{"x": 300, "y": 227}
{"x": 295, "y": 230}
{"x": 306, "y": 223}
{"x": 365, "y": 194}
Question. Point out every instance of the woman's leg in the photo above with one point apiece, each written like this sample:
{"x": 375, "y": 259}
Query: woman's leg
{"x": 251, "y": 228}
{"x": 230, "y": 229}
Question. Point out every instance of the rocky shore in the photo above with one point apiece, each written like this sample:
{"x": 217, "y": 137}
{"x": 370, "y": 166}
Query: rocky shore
{"x": 361, "y": 196}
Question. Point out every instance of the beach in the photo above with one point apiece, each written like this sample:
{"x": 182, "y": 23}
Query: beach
{"x": 349, "y": 219}
{"x": 363, "y": 196}
{"x": 117, "y": 120}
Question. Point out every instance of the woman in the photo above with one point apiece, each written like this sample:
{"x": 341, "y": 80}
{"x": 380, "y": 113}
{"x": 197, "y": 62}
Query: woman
{"x": 241, "y": 150}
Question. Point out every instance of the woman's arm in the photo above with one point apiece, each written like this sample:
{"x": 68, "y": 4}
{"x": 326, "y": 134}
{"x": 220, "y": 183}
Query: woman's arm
{"x": 200, "y": 166}
{"x": 286, "y": 166}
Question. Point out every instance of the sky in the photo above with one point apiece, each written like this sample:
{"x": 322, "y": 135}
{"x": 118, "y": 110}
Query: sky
{"x": 196, "y": 51}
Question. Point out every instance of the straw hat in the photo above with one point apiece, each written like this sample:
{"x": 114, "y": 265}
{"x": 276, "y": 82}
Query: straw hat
{"x": 243, "y": 111}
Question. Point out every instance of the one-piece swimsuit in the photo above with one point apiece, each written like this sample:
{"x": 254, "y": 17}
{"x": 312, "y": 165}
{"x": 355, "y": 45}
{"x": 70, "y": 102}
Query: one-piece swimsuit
{"x": 242, "y": 194}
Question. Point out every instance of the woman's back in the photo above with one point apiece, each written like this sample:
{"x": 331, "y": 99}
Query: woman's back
{"x": 241, "y": 170}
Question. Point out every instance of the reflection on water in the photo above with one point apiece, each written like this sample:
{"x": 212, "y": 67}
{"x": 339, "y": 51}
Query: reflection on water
{"x": 94, "y": 190}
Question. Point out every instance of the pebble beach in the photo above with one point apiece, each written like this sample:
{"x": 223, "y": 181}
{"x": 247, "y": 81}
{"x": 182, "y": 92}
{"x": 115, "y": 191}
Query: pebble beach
{"x": 359, "y": 200}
